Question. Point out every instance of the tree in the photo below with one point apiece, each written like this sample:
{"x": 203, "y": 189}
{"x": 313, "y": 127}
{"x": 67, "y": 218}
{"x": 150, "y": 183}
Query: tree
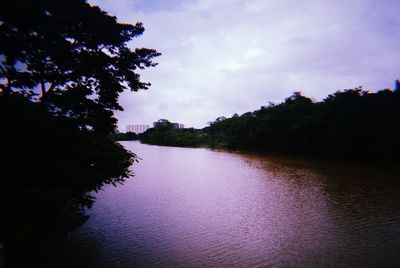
{"x": 349, "y": 125}
{"x": 63, "y": 65}
{"x": 70, "y": 61}
{"x": 74, "y": 54}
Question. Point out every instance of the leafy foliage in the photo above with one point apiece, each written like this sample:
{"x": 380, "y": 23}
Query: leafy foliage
{"x": 53, "y": 156}
{"x": 128, "y": 136}
{"x": 75, "y": 54}
{"x": 78, "y": 57}
{"x": 63, "y": 65}
{"x": 49, "y": 167}
{"x": 351, "y": 124}
{"x": 168, "y": 136}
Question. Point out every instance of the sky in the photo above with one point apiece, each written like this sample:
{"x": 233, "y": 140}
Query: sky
{"x": 221, "y": 57}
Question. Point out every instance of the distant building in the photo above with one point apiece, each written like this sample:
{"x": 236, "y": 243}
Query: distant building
{"x": 161, "y": 123}
{"x": 165, "y": 122}
{"x": 137, "y": 128}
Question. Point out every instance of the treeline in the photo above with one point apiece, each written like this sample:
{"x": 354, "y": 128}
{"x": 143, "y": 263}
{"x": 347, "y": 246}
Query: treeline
{"x": 351, "y": 125}
{"x": 168, "y": 136}
{"x": 128, "y": 136}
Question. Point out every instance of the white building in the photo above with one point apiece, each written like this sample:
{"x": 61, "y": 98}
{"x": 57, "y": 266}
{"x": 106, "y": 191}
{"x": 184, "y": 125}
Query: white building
{"x": 137, "y": 128}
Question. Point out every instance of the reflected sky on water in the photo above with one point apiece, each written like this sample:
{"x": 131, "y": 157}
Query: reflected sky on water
{"x": 202, "y": 208}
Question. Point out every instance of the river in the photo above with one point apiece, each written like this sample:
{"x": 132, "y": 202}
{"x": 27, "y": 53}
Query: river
{"x": 189, "y": 207}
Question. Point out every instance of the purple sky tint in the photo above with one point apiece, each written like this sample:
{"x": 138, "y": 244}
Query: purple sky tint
{"x": 226, "y": 56}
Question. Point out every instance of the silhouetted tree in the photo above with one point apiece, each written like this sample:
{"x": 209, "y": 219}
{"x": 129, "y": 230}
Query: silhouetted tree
{"x": 75, "y": 54}
{"x": 63, "y": 65}
{"x": 169, "y": 136}
{"x": 128, "y": 136}
{"x": 351, "y": 124}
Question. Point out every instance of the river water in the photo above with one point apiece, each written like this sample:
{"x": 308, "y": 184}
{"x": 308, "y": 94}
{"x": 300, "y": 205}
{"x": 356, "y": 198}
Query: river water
{"x": 202, "y": 208}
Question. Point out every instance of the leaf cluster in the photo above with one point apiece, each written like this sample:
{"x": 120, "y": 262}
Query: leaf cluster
{"x": 168, "y": 136}
{"x": 75, "y": 55}
{"x": 350, "y": 125}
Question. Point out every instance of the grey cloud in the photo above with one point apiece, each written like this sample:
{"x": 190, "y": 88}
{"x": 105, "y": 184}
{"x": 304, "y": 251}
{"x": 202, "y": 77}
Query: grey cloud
{"x": 222, "y": 57}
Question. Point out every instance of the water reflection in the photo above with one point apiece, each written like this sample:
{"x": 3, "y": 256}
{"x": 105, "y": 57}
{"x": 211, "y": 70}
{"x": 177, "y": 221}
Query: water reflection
{"x": 202, "y": 208}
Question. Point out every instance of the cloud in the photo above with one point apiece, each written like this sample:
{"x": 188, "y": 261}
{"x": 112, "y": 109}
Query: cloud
{"x": 222, "y": 57}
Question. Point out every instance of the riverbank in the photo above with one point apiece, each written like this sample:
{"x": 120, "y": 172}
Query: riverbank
{"x": 350, "y": 125}
{"x": 340, "y": 161}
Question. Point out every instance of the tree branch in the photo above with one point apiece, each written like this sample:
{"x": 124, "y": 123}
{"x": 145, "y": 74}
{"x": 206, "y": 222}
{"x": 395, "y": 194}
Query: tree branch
{"x": 42, "y": 89}
{"x": 51, "y": 87}
{"x": 3, "y": 71}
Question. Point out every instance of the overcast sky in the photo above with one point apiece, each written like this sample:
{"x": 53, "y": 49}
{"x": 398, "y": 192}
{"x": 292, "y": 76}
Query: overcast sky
{"x": 221, "y": 57}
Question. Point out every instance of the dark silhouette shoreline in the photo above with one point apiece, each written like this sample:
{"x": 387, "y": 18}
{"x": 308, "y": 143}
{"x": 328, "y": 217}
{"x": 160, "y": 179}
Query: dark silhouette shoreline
{"x": 351, "y": 125}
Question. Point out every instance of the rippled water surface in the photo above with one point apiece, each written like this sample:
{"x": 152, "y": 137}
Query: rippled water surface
{"x": 203, "y": 208}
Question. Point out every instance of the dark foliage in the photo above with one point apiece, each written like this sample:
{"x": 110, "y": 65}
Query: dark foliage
{"x": 63, "y": 65}
{"x": 75, "y": 54}
{"x": 349, "y": 125}
{"x": 50, "y": 154}
{"x": 128, "y": 136}
{"x": 168, "y": 136}
{"x": 48, "y": 169}
{"x": 77, "y": 57}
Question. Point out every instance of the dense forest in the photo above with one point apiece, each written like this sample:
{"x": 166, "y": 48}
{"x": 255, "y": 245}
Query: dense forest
{"x": 351, "y": 124}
